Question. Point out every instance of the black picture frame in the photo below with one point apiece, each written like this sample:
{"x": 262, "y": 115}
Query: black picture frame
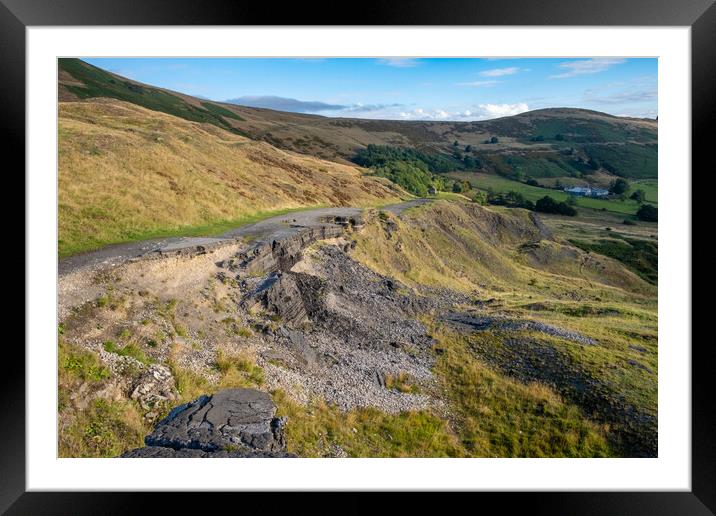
{"x": 700, "y": 15}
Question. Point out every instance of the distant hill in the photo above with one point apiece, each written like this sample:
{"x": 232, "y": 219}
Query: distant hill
{"x": 545, "y": 143}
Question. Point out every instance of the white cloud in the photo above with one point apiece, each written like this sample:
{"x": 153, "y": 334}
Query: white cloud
{"x": 399, "y": 62}
{"x": 480, "y": 112}
{"x": 498, "y": 110}
{"x": 478, "y": 83}
{"x": 499, "y": 72}
{"x": 586, "y": 66}
{"x": 422, "y": 114}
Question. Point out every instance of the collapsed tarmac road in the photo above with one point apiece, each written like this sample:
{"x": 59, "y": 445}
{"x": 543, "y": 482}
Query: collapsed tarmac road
{"x": 274, "y": 228}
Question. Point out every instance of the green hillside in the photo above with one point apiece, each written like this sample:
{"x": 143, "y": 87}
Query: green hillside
{"x": 98, "y": 83}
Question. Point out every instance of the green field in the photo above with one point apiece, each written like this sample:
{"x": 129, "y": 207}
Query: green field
{"x": 533, "y": 193}
{"x": 650, "y": 189}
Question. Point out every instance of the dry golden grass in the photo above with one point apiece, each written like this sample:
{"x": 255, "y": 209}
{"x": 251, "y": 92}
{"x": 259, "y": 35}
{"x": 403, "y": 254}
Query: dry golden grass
{"x": 473, "y": 249}
{"x": 127, "y": 173}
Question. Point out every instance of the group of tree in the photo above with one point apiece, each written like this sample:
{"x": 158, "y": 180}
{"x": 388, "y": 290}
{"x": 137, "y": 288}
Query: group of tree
{"x": 548, "y": 205}
{"x": 540, "y": 138}
{"x": 471, "y": 163}
{"x": 513, "y": 199}
{"x": 412, "y": 176}
{"x": 382, "y": 155}
{"x": 494, "y": 139}
{"x": 469, "y": 160}
{"x": 510, "y": 199}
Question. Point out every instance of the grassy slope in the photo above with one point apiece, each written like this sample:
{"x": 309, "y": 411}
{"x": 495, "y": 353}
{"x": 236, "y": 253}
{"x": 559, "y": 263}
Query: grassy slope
{"x": 128, "y": 173}
{"x": 471, "y": 249}
{"x": 486, "y": 254}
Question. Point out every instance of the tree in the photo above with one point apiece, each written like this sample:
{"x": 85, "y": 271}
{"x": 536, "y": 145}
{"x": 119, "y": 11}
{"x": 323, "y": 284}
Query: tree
{"x": 455, "y": 144}
{"x": 648, "y": 213}
{"x": 457, "y": 187}
{"x": 480, "y": 197}
{"x": 494, "y": 139}
{"x": 619, "y": 186}
{"x": 548, "y": 205}
{"x": 468, "y": 148}
{"x": 638, "y": 195}
{"x": 559, "y": 137}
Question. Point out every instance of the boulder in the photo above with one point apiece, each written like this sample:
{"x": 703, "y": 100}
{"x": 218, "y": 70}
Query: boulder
{"x": 230, "y": 423}
{"x": 154, "y": 387}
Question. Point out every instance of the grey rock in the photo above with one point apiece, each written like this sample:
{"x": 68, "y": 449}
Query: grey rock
{"x": 234, "y": 421}
{"x": 294, "y": 297}
{"x": 481, "y": 323}
{"x": 154, "y": 387}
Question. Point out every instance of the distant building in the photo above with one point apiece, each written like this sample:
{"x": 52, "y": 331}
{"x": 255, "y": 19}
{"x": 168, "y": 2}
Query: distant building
{"x": 587, "y": 191}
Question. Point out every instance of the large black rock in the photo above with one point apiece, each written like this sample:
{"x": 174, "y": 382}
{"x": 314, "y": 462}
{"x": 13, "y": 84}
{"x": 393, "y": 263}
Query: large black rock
{"x": 231, "y": 423}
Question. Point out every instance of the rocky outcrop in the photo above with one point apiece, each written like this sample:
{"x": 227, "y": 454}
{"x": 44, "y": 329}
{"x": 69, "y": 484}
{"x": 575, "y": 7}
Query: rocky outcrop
{"x": 294, "y": 297}
{"x": 284, "y": 252}
{"x": 231, "y": 423}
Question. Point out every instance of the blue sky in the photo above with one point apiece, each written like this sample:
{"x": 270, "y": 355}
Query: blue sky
{"x": 407, "y": 88}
